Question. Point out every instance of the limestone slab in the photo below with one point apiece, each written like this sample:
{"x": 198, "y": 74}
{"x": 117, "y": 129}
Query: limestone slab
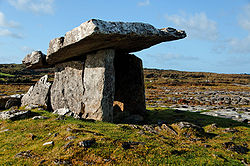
{"x": 67, "y": 89}
{"x": 96, "y": 34}
{"x": 99, "y": 84}
{"x": 38, "y": 94}
{"x": 86, "y": 87}
{"x": 35, "y": 60}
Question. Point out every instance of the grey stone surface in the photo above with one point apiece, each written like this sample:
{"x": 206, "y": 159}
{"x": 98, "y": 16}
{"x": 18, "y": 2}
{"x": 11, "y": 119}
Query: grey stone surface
{"x": 3, "y": 101}
{"x": 35, "y": 60}
{"x": 13, "y": 102}
{"x": 40, "y": 117}
{"x": 38, "y": 94}
{"x": 86, "y": 88}
{"x": 51, "y": 143}
{"x": 14, "y": 115}
{"x": 67, "y": 89}
{"x": 62, "y": 111}
{"x": 31, "y": 106}
{"x": 99, "y": 84}
{"x": 95, "y": 35}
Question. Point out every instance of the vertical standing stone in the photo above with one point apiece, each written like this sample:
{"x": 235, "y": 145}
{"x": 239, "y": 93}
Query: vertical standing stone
{"x": 38, "y": 94}
{"x": 99, "y": 84}
{"x": 129, "y": 85}
{"x": 86, "y": 88}
{"x": 67, "y": 89}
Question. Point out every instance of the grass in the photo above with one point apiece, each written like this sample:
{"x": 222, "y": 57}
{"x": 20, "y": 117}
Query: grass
{"x": 157, "y": 149}
{"x": 6, "y": 75}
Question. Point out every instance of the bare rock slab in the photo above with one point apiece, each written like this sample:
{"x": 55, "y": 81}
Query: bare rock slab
{"x": 35, "y": 60}
{"x": 99, "y": 84}
{"x": 14, "y": 114}
{"x": 86, "y": 87}
{"x": 38, "y": 94}
{"x": 95, "y": 35}
{"x": 67, "y": 89}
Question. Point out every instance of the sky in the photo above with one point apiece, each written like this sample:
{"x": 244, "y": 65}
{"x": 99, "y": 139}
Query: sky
{"x": 218, "y": 31}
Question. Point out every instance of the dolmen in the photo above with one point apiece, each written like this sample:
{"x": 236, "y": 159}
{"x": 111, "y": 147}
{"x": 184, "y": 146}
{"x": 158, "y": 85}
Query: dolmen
{"x": 96, "y": 76}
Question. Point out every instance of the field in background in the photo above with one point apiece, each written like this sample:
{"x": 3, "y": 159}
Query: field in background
{"x": 14, "y": 78}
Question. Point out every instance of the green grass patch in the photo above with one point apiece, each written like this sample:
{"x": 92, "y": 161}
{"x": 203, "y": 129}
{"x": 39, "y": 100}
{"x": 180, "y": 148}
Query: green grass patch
{"x": 154, "y": 149}
{"x": 6, "y": 75}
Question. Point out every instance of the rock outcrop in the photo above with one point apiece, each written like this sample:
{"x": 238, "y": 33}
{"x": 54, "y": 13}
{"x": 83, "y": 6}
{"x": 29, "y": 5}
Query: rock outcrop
{"x": 35, "y": 60}
{"x": 94, "y": 70}
{"x": 38, "y": 94}
{"x": 14, "y": 114}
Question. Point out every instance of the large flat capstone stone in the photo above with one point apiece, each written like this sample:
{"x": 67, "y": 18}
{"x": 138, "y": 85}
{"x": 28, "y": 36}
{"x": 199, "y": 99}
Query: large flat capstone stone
{"x": 95, "y": 35}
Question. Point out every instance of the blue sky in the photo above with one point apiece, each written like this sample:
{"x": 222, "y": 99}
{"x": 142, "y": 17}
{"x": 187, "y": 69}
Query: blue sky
{"x": 218, "y": 30}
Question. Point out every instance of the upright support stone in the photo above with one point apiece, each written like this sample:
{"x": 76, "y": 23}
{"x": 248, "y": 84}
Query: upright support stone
{"x": 99, "y": 83}
{"x": 67, "y": 89}
{"x": 86, "y": 88}
{"x": 38, "y": 94}
{"x": 129, "y": 85}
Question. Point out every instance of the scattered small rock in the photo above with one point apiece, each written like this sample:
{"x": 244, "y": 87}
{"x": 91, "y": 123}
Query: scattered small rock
{"x": 5, "y": 130}
{"x": 235, "y": 148}
{"x": 68, "y": 145}
{"x": 126, "y": 145}
{"x": 55, "y": 135}
{"x": 62, "y": 162}
{"x": 40, "y": 117}
{"x": 43, "y": 161}
{"x": 24, "y": 154}
{"x": 31, "y": 106}
{"x": 60, "y": 117}
{"x": 230, "y": 130}
{"x": 87, "y": 143}
{"x": 220, "y": 156}
{"x": 214, "y": 125}
{"x": 107, "y": 160}
{"x": 14, "y": 114}
{"x": 62, "y": 111}
{"x": 71, "y": 137}
{"x": 207, "y": 146}
{"x": 12, "y": 102}
{"x": 49, "y": 143}
{"x": 32, "y": 136}
{"x": 134, "y": 126}
{"x": 169, "y": 129}
{"x": 239, "y": 149}
{"x": 150, "y": 129}
{"x": 183, "y": 125}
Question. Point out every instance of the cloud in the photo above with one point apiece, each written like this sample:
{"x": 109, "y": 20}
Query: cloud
{"x": 144, "y": 3}
{"x": 27, "y": 49}
{"x": 242, "y": 60}
{"x": 35, "y": 6}
{"x": 244, "y": 19}
{"x": 197, "y": 26}
{"x": 241, "y": 45}
{"x": 176, "y": 57}
{"x": 5, "y": 23}
{"x": 6, "y": 32}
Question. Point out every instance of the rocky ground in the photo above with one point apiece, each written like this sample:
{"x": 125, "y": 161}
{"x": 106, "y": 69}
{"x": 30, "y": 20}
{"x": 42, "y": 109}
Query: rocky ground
{"x": 226, "y": 104}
